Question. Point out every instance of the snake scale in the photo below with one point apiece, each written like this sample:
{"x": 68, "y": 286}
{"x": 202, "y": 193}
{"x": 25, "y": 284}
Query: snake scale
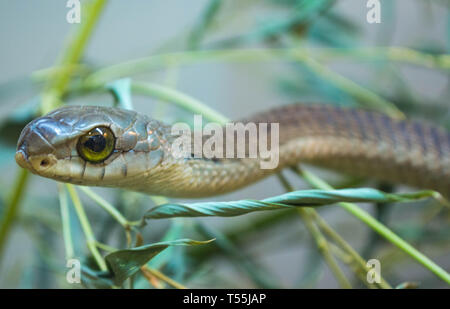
{"x": 356, "y": 142}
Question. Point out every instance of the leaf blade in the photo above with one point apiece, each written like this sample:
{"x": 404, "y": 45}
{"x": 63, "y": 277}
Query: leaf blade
{"x": 125, "y": 263}
{"x": 304, "y": 198}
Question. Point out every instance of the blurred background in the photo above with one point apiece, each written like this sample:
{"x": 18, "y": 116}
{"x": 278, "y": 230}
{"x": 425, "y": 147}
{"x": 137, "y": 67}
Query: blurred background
{"x": 353, "y": 62}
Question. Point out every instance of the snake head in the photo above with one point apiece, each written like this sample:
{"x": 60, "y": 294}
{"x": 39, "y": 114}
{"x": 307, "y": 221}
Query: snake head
{"x": 88, "y": 145}
{"x": 38, "y": 148}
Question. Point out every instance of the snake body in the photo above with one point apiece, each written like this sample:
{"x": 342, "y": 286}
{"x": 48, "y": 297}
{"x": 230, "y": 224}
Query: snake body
{"x": 356, "y": 142}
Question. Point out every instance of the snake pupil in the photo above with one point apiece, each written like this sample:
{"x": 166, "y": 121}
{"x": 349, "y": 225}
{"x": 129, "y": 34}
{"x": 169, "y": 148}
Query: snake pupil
{"x": 96, "y": 143}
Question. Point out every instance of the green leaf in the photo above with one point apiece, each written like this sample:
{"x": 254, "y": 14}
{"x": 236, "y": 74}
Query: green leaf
{"x": 121, "y": 90}
{"x": 304, "y": 198}
{"x": 96, "y": 279}
{"x": 125, "y": 263}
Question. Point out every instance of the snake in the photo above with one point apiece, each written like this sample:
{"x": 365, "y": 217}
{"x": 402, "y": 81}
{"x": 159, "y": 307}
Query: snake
{"x": 114, "y": 147}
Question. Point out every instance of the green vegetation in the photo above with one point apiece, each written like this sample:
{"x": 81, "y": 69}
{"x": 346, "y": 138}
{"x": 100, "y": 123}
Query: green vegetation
{"x": 170, "y": 259}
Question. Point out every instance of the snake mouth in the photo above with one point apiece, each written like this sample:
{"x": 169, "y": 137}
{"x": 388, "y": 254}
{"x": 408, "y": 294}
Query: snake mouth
{"x": 37, "y": 164}
{"x": 22, "y": 159}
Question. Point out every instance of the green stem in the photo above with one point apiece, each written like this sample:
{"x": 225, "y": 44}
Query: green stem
{"x": 159, "y": 200}
{"x": 155, "y": 62}
{"x": 12, "y": 208}
{"x": 321, "y": 242}
{"x": 313, "y": 216}
{"x": 380, "y": 228}
{"x": 397, "y": 54}
{"x": 360, "y": 262}
{"x": 71, "y": 56}
{"x": 65, "y": 218}
{"x": 105, "y": 247}
{"x": 147, "y": 272}
{"x": 364, "y": 96}
{"x": 167, "y": 94}
{"x": 106, "y": 206}
{"x": 127, "y": 225}
{"x": 85, "y": 225}
{"x": 324, "y": 248}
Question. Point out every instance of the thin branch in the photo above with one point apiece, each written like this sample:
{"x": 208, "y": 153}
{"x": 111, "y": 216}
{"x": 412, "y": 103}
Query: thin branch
{"x": 150, "y": 272}
{"x": 65, "y": 221}
{"x": 12, "y": 208}
{"x": 51, "y": 97}
{"x": 380, "y": 228}
{"x": 86, "y": 226}
{"x": 321, "y": 242}
{"x": 155, "y": 62}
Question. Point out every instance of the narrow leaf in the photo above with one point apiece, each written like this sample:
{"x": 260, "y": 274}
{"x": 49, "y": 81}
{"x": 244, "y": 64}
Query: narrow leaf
{"x": 125, "y": 263}
{"x": 304, "y": 198}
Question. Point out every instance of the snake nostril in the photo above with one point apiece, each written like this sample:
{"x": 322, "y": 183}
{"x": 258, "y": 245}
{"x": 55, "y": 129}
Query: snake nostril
{"x": 45, "y": 163}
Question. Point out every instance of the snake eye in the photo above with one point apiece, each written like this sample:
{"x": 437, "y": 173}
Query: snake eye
{"x": 97, "y": 145}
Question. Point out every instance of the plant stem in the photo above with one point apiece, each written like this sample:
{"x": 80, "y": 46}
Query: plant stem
{"x": 324, "y": 248}
{"x": 155, "y": 62}
{"x": 321, "y": 242}
{"x": 105, "y": 247}
{"x": 127, "y": 225}
{"x": 361, "y": 263}
{"x": 380, "y": 228}
{"x": 106, "y": 206}
{"x": 85, "y": 225}
{"x": 65, "y": 219}
{"x": 148, "y": 272}
{"x": 364, "y": 96}
{"x": 313, "y": 215}
{"x": 71, "y": 56}
{"x": 184, "y": 101}
{"x": 12, "y": 208}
